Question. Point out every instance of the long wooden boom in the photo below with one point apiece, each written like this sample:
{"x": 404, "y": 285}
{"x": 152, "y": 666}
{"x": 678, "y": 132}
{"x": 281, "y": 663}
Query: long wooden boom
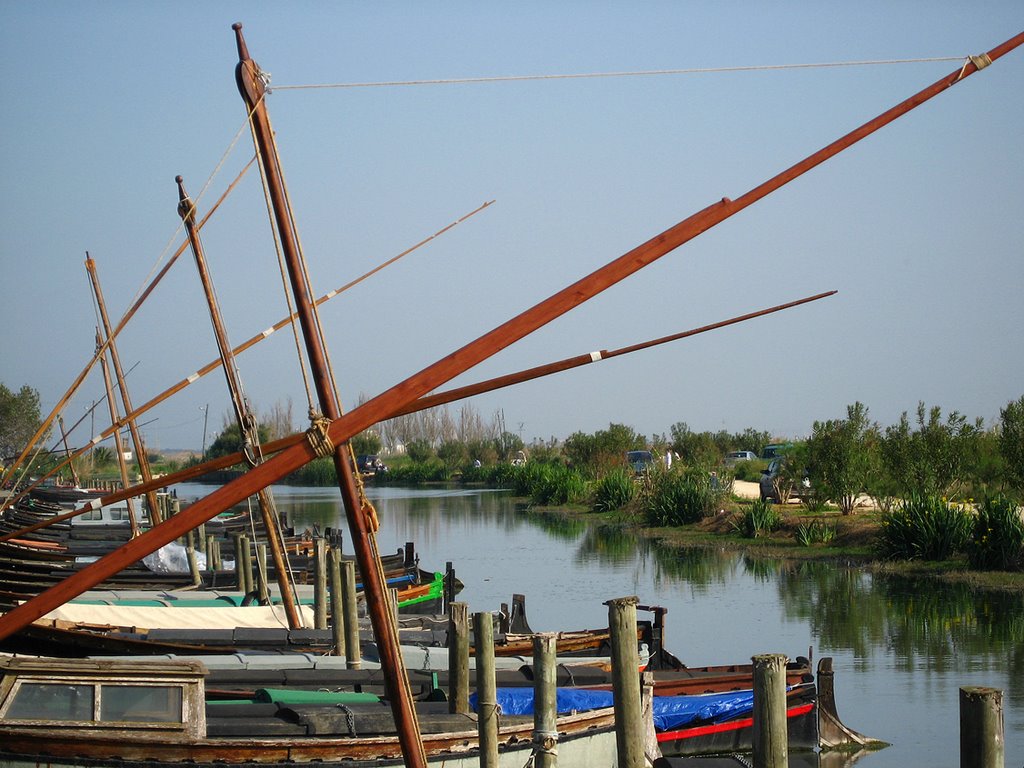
{"x": 390, "y": 401}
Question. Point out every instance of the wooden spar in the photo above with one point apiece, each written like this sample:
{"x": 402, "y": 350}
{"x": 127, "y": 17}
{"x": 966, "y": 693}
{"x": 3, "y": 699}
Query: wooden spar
{"x": 390, "y": 401}
{"x": 118, "y": 448}
{"x": 45, "y": 425}
{"x": 67, "y": 451}
{"x": 428, "y": 401}
{"x": 243, "y": 413}
{"x": 142, "y": 457}
{"x": 441, "y": 398}
{"x": 252, "y": 89}
{"x": 214, "y": 364}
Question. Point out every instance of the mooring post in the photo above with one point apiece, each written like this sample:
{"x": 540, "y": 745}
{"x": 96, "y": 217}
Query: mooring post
{"x": 486, "y": 689}
{"x": 261, "y": 574}
{"x": 981, "y": 728}
{"x": 770, "y": 737}
{"x": 458, "y": 658}
{"x": 320, "y": 584}
{"x": 337, "y": 612}
{"x": 353, "y": 651}
{"x": 626, "y": 682}
{"x": 193, "y": 565}
{"x": 448, "y": 588}
{"x": 545, "y": 701}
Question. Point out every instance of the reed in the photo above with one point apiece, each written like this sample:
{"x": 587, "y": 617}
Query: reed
{"x": 925, "y": 528}
{"x": 613, "y": 491}
{"x": 759, "y": 518}
{"x": 669, "y": 498}
{"x": 815, "y": 532}
{"x": 997, "y": 537}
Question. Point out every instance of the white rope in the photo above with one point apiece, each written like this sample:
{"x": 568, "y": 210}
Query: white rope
{"x": 638, "y": 73}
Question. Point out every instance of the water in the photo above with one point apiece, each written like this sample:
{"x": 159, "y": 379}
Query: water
{"x": 902, "y": 647}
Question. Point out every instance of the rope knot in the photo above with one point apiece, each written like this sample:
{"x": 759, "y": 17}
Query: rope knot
{"x": 319, "y": 439}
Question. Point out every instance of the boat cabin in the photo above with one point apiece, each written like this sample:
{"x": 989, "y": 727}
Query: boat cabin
{"x": 111, "y": 514}
{"x": 142, "y": 698}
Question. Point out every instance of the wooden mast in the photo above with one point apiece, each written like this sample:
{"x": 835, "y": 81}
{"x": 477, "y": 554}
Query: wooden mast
{"x": 118, "y": 448}
{"x": 252, "y": 89}
{"x": 390, "y": 401}
{"x": 140, "y": 449}
{"x": 247, "y": 426}
{"x": 67, "y": 451}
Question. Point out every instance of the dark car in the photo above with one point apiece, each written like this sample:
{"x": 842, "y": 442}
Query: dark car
{"x": 640, "y": 461}
{"x": 370, "y": 464}
{"x": 769, "y": 478}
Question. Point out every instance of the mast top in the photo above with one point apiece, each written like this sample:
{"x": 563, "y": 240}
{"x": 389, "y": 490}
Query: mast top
{"x": 185, "y": 206}
{"x": 243, "y": 51}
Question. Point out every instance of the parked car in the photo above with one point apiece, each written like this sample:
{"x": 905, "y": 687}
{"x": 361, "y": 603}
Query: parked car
{"x": 775, "y": 450}
{"x": 370, "y": 464}
{"x": 732, "y": 458}
{"x": 769, "y": 484}
{"x": 640, "y": 461}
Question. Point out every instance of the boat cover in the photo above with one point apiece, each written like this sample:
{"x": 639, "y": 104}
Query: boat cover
{"x": 669, "y": 711}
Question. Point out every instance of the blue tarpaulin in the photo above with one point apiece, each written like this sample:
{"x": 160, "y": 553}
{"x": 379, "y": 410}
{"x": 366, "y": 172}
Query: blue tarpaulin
{"x": 669, "y": 711}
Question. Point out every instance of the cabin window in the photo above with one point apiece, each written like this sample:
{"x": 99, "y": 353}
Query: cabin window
{"x": 141, "y": 704}
{"x": 52, "y": 701}
{"x": 92, "y": 514}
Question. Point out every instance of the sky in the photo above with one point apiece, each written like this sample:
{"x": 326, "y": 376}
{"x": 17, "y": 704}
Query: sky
{"x": 919, "y": 227}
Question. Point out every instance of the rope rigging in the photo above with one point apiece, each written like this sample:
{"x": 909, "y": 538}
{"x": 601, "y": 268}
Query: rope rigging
{"x": 632, "y": 73}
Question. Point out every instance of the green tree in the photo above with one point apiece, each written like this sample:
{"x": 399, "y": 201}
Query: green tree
{"x": 453, "y": 454}
{"x": 230, "y": 440}
{"x": 366, "y": 442}
{"x": 696, "y": 449}
{"x": 419, "y": 450}
{"x": 936, "y": 458}
{"x": 1011, "y": 444}
{"x": 604, "y": 450}
{"x": 19, "y": 419}
{"x": 507, "y": 445}
{"x": 838, "y": 458}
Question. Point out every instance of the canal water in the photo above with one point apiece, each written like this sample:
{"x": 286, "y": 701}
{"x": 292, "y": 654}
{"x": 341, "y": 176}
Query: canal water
{"x": 902, "y": 648}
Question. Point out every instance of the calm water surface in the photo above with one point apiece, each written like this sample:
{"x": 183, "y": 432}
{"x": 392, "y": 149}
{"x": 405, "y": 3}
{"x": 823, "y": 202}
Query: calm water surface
{"x": 902, "y": 647}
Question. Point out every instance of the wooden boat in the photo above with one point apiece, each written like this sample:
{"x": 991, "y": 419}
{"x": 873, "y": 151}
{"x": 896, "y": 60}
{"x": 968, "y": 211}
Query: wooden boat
{"x": 65, "y": 713}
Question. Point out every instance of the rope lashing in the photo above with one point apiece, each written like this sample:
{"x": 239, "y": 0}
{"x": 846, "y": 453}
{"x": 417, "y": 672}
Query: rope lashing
{"x": 980, "y": 62}
{"x": 317, "y": 435}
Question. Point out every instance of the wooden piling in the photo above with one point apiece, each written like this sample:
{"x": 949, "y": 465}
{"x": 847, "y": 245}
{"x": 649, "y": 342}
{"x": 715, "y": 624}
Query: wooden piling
{"x": 458, "y": 658}
{"x": 545, "y": 701}
{"x": 337, "y": 612}
{"x": 320, "y": 584}
{"x": 486, "y": 689}
{"x": 626, "y": 682}
{"x": 193, "y": 565}
{"x": 261, "y": 574}
{"x": 981, "y": 728}
{"x": 245, "y": 558}
{"x": 353, "y": 652}
{"x": 770, "y": 736}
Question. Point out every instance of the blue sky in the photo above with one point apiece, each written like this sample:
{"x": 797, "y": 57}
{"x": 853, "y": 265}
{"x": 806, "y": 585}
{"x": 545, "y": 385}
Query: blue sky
{"x": 919, "y": 227}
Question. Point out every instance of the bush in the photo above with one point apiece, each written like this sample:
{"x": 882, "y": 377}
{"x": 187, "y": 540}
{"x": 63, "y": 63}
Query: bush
{"x": 614, "y": 491}
{"x": 997, "y": 541}
{"x": 669, "y": 498}
{"x": 925, "y": 528}
{"x": 815, "y": 532}
{"x": 760, "y": 517}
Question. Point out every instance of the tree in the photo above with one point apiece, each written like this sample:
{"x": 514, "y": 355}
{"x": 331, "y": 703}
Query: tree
{"x": 696, "y": 449}
{"x": 838, "y": 458}
{"x": 1011, "y": 443}
{"x": 934, "y": 459}
{"x": 603, "y": 450}
{"x": 19, "y": 419}
{"x": 366, "y": 443}
{"x": 230, "y": 440}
